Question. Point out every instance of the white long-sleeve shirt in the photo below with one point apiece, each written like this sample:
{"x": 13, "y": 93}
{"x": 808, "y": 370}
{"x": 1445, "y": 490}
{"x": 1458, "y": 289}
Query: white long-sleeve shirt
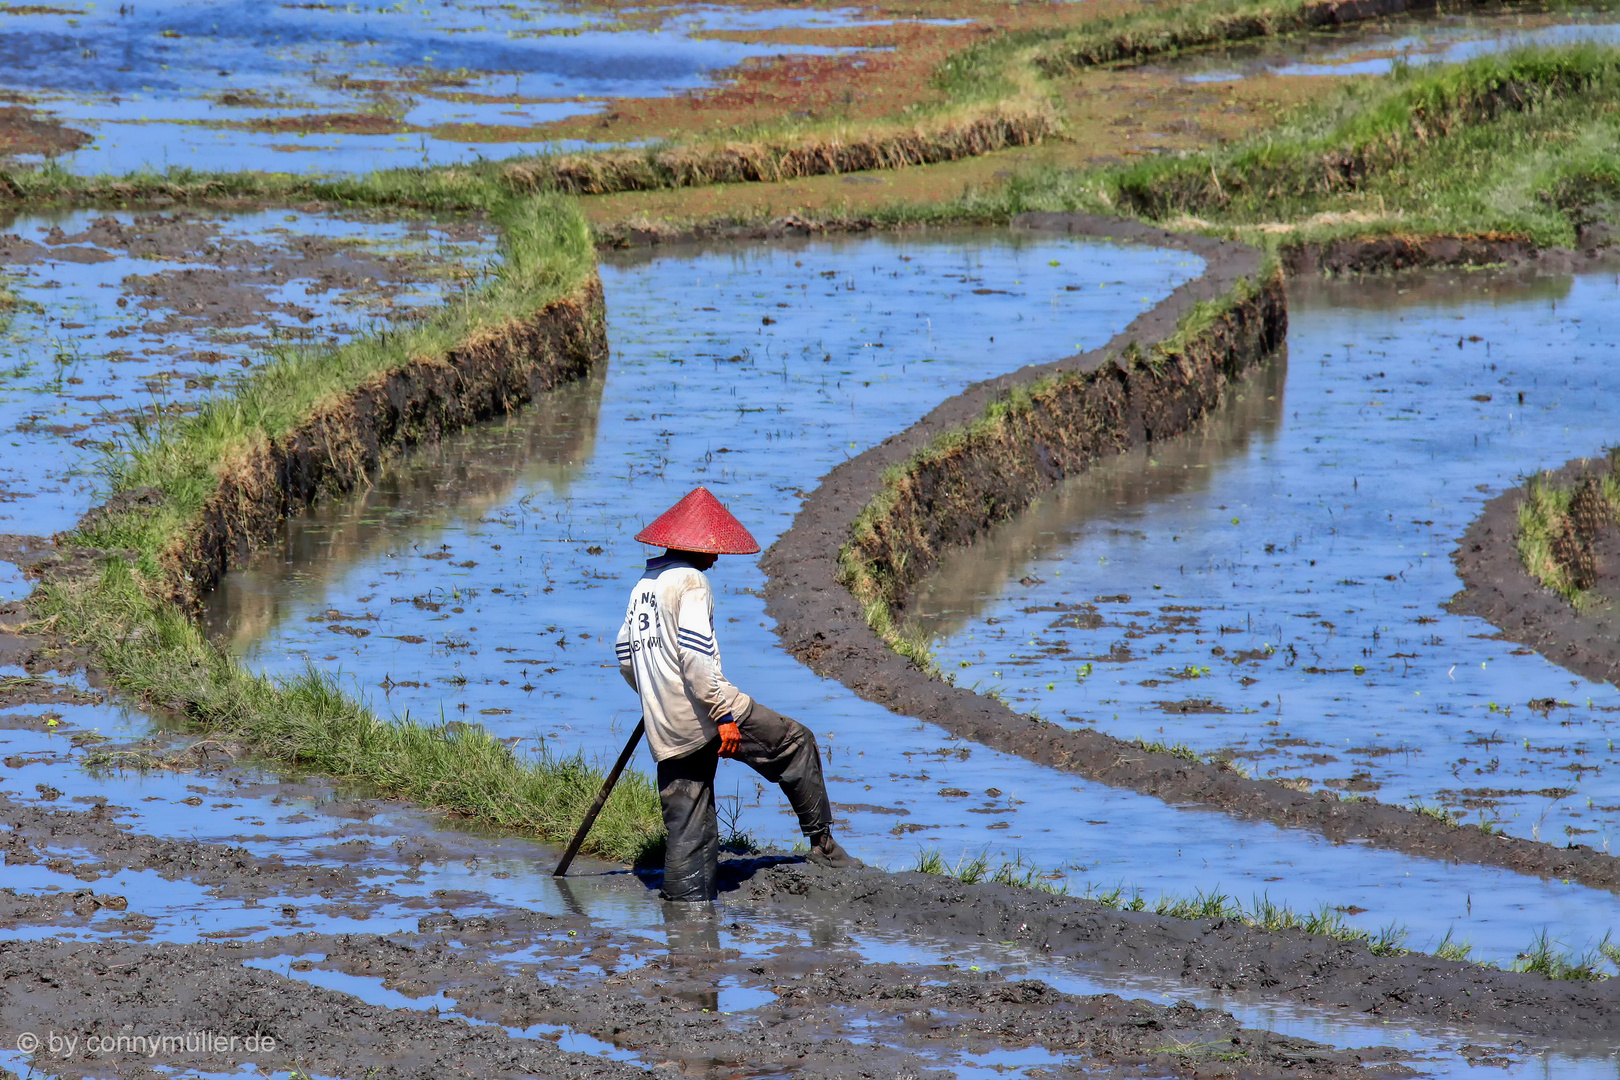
{"x": 668, "y": 655}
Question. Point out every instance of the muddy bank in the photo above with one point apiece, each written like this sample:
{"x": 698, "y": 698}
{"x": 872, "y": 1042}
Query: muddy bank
{"x": 469, "y": 983}
{"x": 1498, "y": 588}
{"x": 984, "y": 479}
{"x": 1217, "y": 953}
{"x": 495, "y": 371}
{"x": 1388, "y": 254}
{"x": 181, "y": 991}
{"x": 739, "y": 162}
{"x": 653, "y": 233}
{"x": 22, "y": 131}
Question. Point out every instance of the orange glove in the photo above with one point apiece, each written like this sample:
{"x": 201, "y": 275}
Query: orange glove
{"x": 730, "y": 737}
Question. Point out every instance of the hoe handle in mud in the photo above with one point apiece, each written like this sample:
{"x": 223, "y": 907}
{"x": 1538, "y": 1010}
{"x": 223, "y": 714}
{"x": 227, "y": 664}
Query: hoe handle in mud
{"x": 601, "y": 799}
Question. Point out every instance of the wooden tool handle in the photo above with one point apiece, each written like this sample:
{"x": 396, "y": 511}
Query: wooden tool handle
{"x": 601, "y": 799}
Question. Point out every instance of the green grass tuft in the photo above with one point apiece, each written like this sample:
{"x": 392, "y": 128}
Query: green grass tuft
{"x": 152, "y": 650}
{"x": 971, "y": 870}
{"x": 1545, "y": 957}
{"x": 1557, "y": 524}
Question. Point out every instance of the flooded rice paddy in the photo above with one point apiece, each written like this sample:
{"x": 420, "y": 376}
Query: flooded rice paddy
{"x": 1381, "y": 47}
{"x": 1272, "y": 589}
{"x": 483, "y": 580}
{"x": 347, "y": 87}
{"x": 118, "y": 319}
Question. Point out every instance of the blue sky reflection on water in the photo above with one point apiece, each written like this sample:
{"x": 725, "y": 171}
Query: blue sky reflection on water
{"x": 167, "y": 83}
{"x": 487, "y": 584}
{"x": 1273, "y": 587}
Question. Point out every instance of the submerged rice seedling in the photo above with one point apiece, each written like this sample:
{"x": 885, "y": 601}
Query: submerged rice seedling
{"x": 1180, "y": 750}
{"x": 1265, "y": 914}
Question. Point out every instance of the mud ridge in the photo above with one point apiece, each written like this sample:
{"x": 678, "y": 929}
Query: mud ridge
{"x": 1391, "y": 254}
{"x": 730, "y": 163}
{"x": 493, "y": 372}
{"x": 1238, "y": 27}
{"x": 654, "y": 233}
{"x": 1100, "y": 406}
{"x": 1217, "y": 953}
{"x": 1498, "y": 588}
{"x": 515, "y": 968}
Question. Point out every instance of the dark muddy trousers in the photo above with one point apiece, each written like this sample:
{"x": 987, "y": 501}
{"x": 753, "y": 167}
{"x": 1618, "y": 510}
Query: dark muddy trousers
{"x": 780, "y": 749}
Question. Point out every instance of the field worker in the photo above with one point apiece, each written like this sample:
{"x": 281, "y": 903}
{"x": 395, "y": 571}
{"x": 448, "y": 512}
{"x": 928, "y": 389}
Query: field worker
{"x": 668, "y": 654}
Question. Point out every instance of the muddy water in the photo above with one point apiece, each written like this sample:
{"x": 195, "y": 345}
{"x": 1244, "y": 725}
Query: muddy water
{"x": 119, "y": 319}
{"x": 1272, "y": 588}
{"x": 484, "y": 580}
{"x": 1377, "y": 50}
{"x": 363, "y": 867}
{"x": 330, "y": 88}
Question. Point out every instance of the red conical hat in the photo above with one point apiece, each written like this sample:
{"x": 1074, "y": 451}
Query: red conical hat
{"x": 699, "y": 523}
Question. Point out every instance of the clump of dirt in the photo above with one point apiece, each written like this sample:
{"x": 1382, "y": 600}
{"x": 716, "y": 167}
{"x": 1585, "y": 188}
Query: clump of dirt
{"x": 23, "y": 131}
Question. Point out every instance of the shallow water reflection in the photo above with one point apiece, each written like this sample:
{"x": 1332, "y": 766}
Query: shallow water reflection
{"x": 1378, "y": 49}
{"x": 344, "y": 88}
{"x": 118, "y": 320}
{"x": 755, "y": 371}
{"x": 1272, "y": 588}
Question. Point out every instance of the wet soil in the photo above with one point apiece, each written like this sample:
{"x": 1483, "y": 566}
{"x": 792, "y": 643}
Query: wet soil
{"x": 472, "y": 983}
{"x": 133, "y": 316}
{"x": 821, "y": 624}
{"x": 1269, "y": 589}
{"x": 473, "y": 579}
{"x": 1211, "y": 952}
{"x": 852, "y": 995}
{"x": 1498, "y": 589}
{"x": 23, "y": 131}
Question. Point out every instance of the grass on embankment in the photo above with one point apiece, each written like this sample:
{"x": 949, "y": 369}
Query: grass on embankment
{"x": 869, "y": 566}
{"x": 1522, "y": 145}
{"x": 1519, "y": 144}
{"x": 150, "y": 647}
{"x": 155, "y": 652}
{"x": 1559, "y": 521}
{"x": 545, "y": 254}
{"x": 1163, "y": 30}
{"x": 1543, "y": 957}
